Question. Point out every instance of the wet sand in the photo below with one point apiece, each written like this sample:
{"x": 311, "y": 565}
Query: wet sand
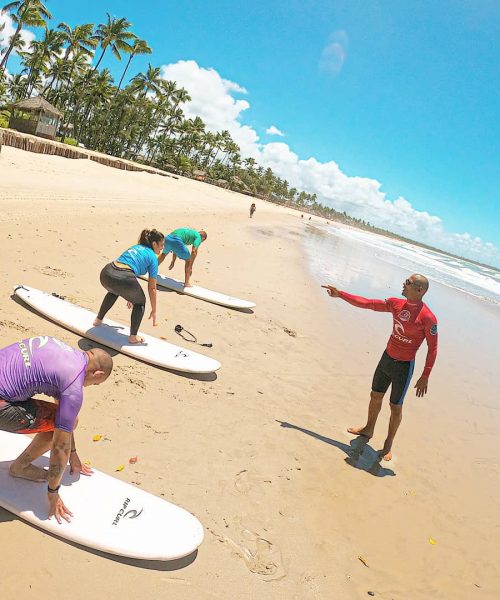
{"x": 260, "y": 453}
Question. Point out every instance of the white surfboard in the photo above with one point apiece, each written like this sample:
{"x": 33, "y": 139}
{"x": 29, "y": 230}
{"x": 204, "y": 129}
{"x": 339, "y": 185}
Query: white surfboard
{"x": 202, "y": 293}
{"x": 108, "y": 514}
{"x": 114, "y": 335}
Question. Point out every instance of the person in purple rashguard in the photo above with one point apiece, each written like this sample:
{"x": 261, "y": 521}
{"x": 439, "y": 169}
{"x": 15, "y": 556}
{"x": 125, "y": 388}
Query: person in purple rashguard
{"x": 45, "y": 365}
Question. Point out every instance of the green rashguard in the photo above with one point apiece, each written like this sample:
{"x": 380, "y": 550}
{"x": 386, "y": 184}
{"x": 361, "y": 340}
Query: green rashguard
{"x": 188, "y": 236}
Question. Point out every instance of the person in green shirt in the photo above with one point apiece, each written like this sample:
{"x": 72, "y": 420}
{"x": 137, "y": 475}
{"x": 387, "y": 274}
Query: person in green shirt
{"x": 177, "y": 242}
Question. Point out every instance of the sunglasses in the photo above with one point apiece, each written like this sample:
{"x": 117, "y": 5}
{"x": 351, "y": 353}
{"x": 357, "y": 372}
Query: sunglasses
{"x": 408, "y": 282}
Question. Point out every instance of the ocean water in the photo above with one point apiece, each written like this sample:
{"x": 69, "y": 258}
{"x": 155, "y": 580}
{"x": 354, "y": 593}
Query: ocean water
{"x": 359, "y": 260}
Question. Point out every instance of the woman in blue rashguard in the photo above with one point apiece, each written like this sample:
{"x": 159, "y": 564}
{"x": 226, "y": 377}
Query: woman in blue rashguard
{"x": 119, "y": 278}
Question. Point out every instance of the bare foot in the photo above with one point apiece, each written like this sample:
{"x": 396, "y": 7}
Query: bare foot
{"x": 385, "y": 454}
{"x": 28, "y": 472}
{"x": 360, "y": 431}
{"x": 97, "y": 322}
{"x": 135, "y": 339}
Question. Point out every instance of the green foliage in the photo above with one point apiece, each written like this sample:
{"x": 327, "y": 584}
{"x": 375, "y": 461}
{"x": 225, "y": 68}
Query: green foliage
{"x": 4, "y": 118}
{"x": 70, "y": 141}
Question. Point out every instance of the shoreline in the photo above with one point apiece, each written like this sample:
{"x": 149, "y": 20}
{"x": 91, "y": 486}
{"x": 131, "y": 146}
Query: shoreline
{"x": 280, "y": 505}
{"x": 33, "y": 143}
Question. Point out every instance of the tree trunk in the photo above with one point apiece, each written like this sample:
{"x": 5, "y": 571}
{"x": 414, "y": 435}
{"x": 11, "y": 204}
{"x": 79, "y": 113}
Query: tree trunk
{"x": 123, "y": 75}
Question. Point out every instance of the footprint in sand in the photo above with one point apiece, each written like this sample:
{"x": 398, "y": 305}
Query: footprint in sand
{"x": 244, "y": 482}
{"x": 241, "y": 482}
{"x": 53, "y": 272}
{"x": 260, "y": 555}
{"x": 13, "y": 325}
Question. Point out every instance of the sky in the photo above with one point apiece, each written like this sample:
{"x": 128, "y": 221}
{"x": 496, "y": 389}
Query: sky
{"x": 388, "y": 110}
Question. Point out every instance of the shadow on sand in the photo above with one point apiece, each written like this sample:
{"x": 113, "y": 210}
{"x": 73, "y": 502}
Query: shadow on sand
{"x": 360, "y": 454}
{"x": 86, "y": 344}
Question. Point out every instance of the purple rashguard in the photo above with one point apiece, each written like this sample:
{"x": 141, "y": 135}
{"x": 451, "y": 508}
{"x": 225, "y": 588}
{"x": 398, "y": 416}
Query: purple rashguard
{"x": 44, "y": 365}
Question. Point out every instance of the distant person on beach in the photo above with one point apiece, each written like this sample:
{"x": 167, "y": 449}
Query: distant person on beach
{"x": 177, "y": 242}
{"x": 45, "y": 365}
{"x": 412, "y": 322}
{"x": 253, "y": 208}
{"x": 301, "y": 216}
{"x": 119, "y": 278}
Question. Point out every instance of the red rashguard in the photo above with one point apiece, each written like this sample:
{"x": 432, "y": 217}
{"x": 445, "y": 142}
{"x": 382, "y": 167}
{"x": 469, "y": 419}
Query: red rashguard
{"x": 411, "y": 324}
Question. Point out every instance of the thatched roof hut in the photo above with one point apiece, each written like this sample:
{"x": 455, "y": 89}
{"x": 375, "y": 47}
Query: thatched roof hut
{"x": 35, "y": 116}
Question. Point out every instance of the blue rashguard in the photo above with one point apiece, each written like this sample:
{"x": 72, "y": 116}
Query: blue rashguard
{"x": 140, "y": 259}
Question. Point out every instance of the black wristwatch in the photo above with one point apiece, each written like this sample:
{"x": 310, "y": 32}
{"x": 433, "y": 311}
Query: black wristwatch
{"x": 53, "y": 490}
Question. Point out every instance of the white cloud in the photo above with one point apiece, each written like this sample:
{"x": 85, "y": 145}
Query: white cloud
{"x": 212, "y": 100}
{"x": 334, "y": 53}
{"x": 8, "y": 31}
{"x": 274, "y": 131}
{"x": 360, "y": 197}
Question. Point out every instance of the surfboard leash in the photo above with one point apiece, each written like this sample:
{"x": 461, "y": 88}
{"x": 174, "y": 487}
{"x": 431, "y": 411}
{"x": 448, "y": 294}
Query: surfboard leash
{"x": 179, "y": 329}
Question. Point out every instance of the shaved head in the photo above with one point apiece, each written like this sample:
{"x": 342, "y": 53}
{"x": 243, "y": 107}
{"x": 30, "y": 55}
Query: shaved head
{"x": 99, "y": 366}
{"x": 420, "y": 281}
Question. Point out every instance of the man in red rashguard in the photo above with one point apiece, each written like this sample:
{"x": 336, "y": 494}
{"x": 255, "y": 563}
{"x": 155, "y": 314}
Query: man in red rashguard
{"x": 412, "y": 322}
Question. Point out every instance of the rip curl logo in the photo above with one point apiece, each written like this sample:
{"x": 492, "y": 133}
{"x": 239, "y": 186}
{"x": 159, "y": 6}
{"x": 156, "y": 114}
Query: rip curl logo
{"x": 25, "y": 354}
{"x": 42, "y": 340}
{"x": 434, "y": 330}
{"x": 404, "y": 315}
{"x": 398, "y": 327}
{"x": 130, "y": 514}
{"x": 399, "y": 332}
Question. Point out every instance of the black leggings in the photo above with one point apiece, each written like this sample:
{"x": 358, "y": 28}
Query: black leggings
{"x": 122, "y": 282}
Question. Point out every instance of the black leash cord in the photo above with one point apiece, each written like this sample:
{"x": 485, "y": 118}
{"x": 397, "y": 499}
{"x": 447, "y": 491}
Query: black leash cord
{"x": 179, "y": 329}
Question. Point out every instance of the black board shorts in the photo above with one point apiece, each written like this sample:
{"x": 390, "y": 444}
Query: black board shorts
{"x": 393, "y": 372}
{"x": 30, "y": 416}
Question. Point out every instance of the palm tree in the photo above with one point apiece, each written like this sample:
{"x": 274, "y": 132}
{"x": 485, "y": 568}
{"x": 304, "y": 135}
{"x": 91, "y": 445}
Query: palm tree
{"x": 78, "y": 39}
{"x": 17, "y": 46}
{"x": 17, "y": 87}
{"x": 147, "y": 82}
{"x": 99, "y": 92}
{"x": 168, "y": 88}
{"x": 44, "y": 51}
{"x": 113, "y": 34}
{"x": 138, "y": 47}
{"x": 57, "y": 72}
{"x": 30, "y": 13}
{"x": 78, "y": 66}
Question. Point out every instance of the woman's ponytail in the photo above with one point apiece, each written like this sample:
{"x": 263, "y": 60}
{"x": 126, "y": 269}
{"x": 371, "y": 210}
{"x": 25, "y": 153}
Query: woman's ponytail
{"x": 148, "y": 236}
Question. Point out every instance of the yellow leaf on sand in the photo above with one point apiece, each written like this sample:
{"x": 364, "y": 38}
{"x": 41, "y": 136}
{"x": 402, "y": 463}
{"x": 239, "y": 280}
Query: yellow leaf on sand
{"x": 87, "y": 462}
{"x": 363, "y": 561}
{"x": 432, "y": 541}
{"x": 120, "y": 468}
{"x": 97, "y": 438}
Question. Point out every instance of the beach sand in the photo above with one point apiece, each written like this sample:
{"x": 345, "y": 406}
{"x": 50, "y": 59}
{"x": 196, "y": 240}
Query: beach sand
{"x": 258, "y": 453}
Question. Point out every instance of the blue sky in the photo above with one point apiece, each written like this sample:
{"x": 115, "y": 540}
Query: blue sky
{"x": 405, "y": 94}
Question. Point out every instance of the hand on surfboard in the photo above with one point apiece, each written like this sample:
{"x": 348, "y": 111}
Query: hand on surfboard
{"x": 76, "y": 465}
{"x": 58, "y": 509}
